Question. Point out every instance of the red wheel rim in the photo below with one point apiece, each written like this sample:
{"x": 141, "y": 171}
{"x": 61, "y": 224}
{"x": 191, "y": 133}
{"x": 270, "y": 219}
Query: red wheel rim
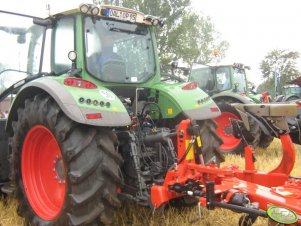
{"x": 225, "y": 131}
{"x": 43, "y": 173}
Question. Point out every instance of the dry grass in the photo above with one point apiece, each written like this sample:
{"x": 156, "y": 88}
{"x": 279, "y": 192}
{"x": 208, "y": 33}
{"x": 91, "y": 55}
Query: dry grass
{"x": 135, "y": 215}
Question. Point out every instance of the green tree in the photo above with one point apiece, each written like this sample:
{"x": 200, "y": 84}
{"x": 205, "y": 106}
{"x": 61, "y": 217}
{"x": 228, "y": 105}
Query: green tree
{"x": 281, "y": 62}
{"x": 185, "y": 34}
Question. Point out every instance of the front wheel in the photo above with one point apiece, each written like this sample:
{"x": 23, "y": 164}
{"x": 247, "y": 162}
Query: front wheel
{"x": 65, "y": 173}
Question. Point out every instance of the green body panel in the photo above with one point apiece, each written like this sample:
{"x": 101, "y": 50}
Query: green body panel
{"x": 174, "y": 100}
{"x": 255, "y": 97}
{"x": 98, "y": 94}
{"x": 112, "y": 113}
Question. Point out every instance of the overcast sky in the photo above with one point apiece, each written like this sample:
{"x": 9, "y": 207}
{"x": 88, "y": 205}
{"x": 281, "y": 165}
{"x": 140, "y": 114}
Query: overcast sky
{"x": 252, "y": 27}
{"x": 255, "y": 27}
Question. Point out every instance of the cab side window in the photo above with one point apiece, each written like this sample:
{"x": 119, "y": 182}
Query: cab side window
{"x": 63, "y": 43}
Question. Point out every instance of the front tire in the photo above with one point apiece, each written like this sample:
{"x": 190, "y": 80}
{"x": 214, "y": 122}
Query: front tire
{"x": 64, "y": 173}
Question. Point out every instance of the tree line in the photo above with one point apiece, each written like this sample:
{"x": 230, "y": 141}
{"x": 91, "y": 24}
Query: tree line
{"x": 185, "y": 35}
{"x": 278, "y": 68}
{"x": 192, "y": 37}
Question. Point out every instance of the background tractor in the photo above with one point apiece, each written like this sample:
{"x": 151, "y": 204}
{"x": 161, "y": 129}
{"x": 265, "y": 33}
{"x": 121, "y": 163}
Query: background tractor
{"x": 291, "y": 94}
{"x": 91, "y": 122}
{"x": 227, "y": 84}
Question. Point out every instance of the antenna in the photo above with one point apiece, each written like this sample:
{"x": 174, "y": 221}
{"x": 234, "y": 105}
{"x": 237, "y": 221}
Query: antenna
{"x": 47, "y": 8}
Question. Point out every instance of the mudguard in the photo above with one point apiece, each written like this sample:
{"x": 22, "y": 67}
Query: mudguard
{"x": 234, "y": 96}
{"x": 193, "y": 103}
{"x": 111, "y": 114}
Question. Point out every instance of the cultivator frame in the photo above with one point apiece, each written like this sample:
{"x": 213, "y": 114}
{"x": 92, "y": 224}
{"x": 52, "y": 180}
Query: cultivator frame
{"x": 243, "y": 190}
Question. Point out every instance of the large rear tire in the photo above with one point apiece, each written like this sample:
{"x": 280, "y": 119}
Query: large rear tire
{"x": 231, "y": 144}
{"x": 265, "y": 140}
{"x": 4, "y": 165}
{"x": 64, "y": 173}
{"x": 211, "y": 142}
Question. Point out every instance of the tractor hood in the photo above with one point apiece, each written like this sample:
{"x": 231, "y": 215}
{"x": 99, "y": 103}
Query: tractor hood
{"x": 185, "y": 98}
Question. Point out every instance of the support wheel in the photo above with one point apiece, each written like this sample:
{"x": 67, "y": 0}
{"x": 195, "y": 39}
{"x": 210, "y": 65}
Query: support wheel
{"x": 247, "y": 220}
{"x": 65, "y": 173}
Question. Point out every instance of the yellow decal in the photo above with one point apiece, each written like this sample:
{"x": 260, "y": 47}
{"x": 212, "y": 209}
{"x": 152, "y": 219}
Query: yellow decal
{"x": 199, "y": 141}
{"x": 190, "y": 154}
{"x": 169, "y": 111}
{"x": 115, "y": 109}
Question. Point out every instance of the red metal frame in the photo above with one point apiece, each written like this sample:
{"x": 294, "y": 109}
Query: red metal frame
{"x": 266, "y": 188}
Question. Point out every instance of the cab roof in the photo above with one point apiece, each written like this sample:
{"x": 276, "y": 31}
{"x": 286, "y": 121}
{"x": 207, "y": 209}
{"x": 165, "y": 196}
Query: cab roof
{"x": 114, "y": 12}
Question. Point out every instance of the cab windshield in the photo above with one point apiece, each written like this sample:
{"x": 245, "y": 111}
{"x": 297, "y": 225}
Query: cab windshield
{"x": 118, "y": 52}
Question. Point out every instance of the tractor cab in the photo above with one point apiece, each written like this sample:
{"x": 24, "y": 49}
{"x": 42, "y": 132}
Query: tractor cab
{"x": 216, "y": 79}
{"x": 292, "y": 91}
{"x": 120, "y": 41}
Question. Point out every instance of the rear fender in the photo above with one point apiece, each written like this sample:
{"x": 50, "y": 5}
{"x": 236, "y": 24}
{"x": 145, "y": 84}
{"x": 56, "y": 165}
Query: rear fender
{"x": 194, "y": 103}
{"x": 236, "y": 98}
{"x": 68, "y": 100}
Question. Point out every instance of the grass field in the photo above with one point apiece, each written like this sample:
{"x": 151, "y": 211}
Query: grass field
{"x": 131, "y": 214}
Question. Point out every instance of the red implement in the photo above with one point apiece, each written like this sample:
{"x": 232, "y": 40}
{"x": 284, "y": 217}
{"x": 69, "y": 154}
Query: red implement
{"x": 263, "y": 188}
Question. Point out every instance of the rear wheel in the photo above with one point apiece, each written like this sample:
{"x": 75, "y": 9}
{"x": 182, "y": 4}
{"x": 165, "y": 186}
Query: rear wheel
{"x": 211, "y": 142}
{"x": 265, "y": 140}
{"x": 4, "y": 165}
{"x": 65, "y": 173}
{"x": 231, "y": 144}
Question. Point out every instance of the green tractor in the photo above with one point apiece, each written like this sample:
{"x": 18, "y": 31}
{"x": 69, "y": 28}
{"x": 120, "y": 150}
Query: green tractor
{"x": 289, "y": 93}
{"x": 91, "y": 123}
{"x": 227, "y": 84}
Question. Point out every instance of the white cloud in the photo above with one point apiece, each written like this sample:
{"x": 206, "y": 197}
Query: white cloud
{"x": 254, "y": 27}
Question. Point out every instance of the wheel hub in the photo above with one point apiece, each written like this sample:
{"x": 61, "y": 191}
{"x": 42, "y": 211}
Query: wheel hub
{"x": 59, "y": 169}
{"x": 228, "y": 130}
